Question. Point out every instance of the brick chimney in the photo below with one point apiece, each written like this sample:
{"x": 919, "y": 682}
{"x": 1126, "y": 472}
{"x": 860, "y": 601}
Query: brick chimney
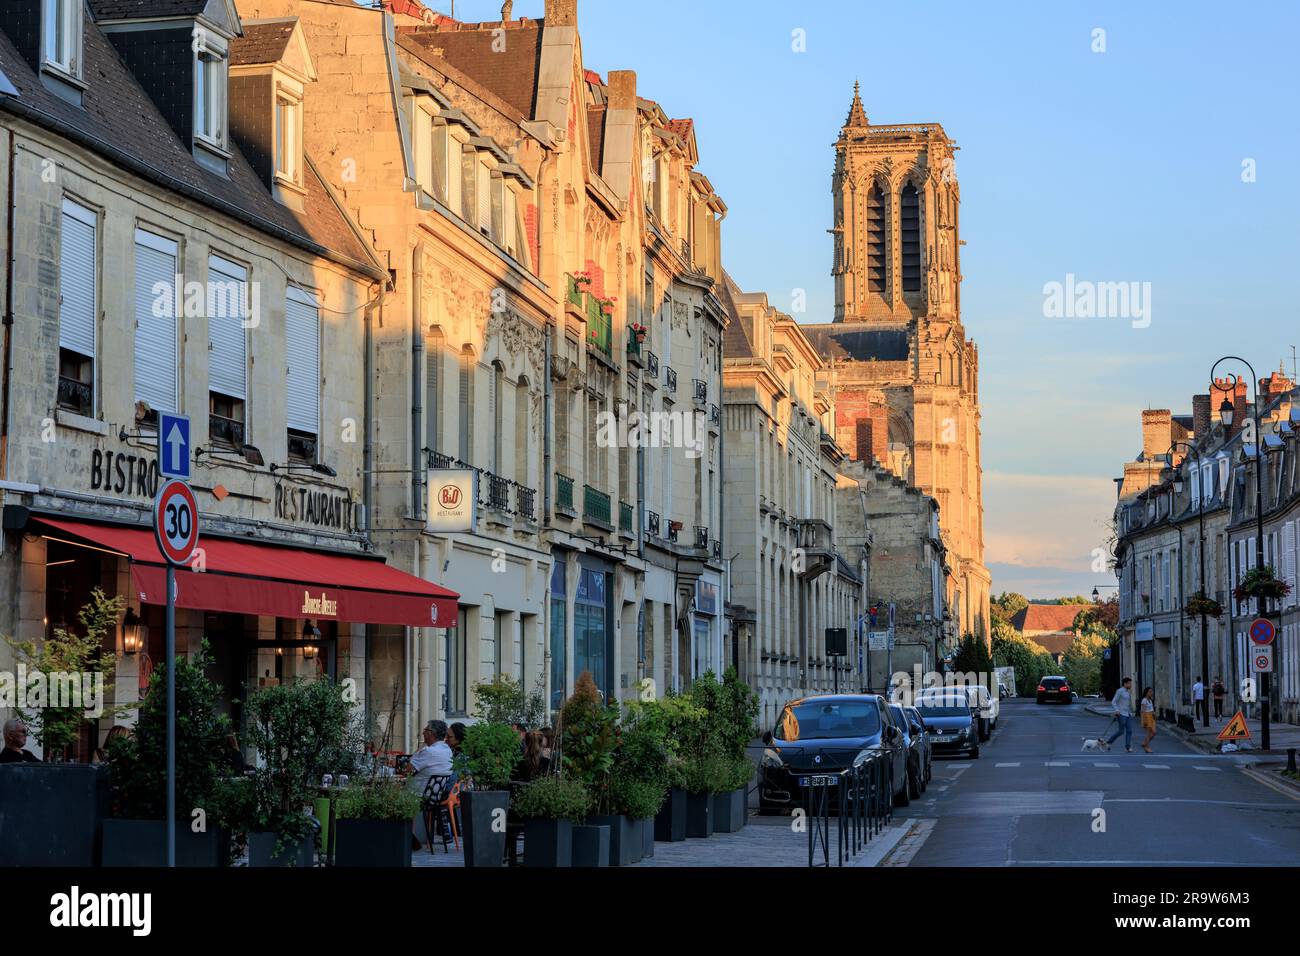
{"x": 1157, "y": 427}
{"x": 622, "y": 89}
{"x": 1223, "y": 388}
{"x": 561, "y": 13}
{"x": 880, "y": 433}
{"x": 1201, "y": 420}
{"x": 1273, "y": 386}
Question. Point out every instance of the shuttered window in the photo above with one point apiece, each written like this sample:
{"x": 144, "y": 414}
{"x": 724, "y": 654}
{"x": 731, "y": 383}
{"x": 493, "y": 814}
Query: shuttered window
{"x": 302, "y": 350}
{"x": 466, "y": 438}
{"x": 78, "y": 309}
{"x": 484, "y": 198}
{"x": 876, "y": 239}
{"x": 509, "y": 238}
{"x": 433, "y": 348}
{"x": 439, "y": 140}
{"x": 522, "y": 412}
{"x": 424, "y": 149}
{"x": 468, "y": 182}
{"x": 909, "y": 231}
{"x": 495, "y": 413}
{"x": 227, "y": 306}
{"x": 498, "y": 209}
{"x": 155, "y": 322}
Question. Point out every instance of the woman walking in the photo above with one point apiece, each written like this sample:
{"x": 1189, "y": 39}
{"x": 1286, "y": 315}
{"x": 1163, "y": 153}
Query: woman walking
{"x": 1147, "y": 708}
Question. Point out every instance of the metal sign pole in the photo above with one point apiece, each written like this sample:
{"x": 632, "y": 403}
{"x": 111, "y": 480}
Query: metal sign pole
{"x": 171, "y": 714}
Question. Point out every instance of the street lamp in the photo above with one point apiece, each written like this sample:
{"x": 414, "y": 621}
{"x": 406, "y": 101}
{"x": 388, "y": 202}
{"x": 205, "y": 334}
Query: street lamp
{"x": 1226, "y": 411}
{"x": 1200, "y": 550}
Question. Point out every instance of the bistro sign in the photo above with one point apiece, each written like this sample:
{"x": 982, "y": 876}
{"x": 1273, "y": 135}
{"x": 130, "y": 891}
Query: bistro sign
{"x": 124, "y": 474}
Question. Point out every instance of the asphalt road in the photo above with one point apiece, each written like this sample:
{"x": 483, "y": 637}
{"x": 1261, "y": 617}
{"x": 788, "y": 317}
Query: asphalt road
{"x": 1031, "y": 799}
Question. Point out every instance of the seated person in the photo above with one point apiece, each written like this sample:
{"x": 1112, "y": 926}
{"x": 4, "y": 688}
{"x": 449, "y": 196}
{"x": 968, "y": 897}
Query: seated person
{"x": 433, "y": 759}
{"x": 235, "y": 762}
{"x": 15, "y": 734}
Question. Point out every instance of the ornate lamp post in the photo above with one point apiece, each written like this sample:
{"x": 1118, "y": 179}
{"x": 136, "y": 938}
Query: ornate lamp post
{"x": 1226, "y": 411}
{"x": 1200, "y": 515}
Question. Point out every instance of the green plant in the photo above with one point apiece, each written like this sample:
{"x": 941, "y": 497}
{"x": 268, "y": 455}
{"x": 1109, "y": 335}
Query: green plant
{"x": 589, "y": 739}
{"x": 489, "y": 755}
{"x": 740, "y": 771}
{"x": 737, "y": 714}
{"x": 63, "y": 659}
{"x": 138, "y": 763}
{"x": 506, "y": 701}
{"x": 296, "y": 728}
{"x": 1199, "y": 603}
{"x": 1030, "y": 660}
{"x": 711, "y": 773}
{"x": 640, "y": 776}
{"x": 232, "y": 805}
{"x": 972, "y": 657}
{"x": 377, "y": 799}
{"x": 1261, "y": 582}
{"x": 552, "y": 798}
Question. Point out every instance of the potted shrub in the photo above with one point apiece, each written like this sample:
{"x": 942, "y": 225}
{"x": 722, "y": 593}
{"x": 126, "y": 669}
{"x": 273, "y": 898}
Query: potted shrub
{"x": 703, "y": 778}
{"x": 297, "y": 729}
{"x": 589, "y": 739}
{"x": 1261, "y": 583}
{"x": 373, "y": 823}
{"x": 729, "y": 806}
{"x": 679, "y": 715}
{"x": 136, "y": 833}
{"x": 639, "y": 781}
{"x": 733, "y": 711}
{"x": 549, "y": 807}
{"x": 487, "y": 757}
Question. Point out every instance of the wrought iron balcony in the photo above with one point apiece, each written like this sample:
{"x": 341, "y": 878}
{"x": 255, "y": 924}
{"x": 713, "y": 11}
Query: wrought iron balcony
{"x": 652, "y": 523}
{"x": 670, "y": 379}
{"x": 717, "y": 550}
{"x": 652, "y": 366}
{"x": 673, "y": 528}
{"x": 227, "y": 431}
{"x": 595, "y": 504}
{"x": 715, "y": 416}
{"x": 700, "y": 391}
{"x": 525, "y": 501}
{"x": 498, "y": 492}
{"x": 701, "y": 538}
{"x": 625, "y": 517}
{"x": 438, "y": 460}
{"x": 563, "y": 492}
{"x": 76, "y": 397}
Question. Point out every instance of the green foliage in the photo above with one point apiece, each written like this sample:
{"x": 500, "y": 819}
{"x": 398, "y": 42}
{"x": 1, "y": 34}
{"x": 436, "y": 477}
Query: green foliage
{"x": 712, "y": 773}
{"x": 377, "y": 799}
{"x": 297, "y": 728}
{"x": 636, "y": 798}
{"x": 506, "y": 701}
{"x": 736, "y": 715}
{"x": 488, "y": 755}
{"x": 232, "y": 805}
{"x": 972, "y": 657}
{"x": 1099, "y": 617}
{"x": 1077, "y": 599}
{"x": 674, "y": 718}
{"x": 714, "y": 734}
{"x": 589, "y": 737}
{"x": 1007, "y": 605}
{"x": 640, "y": 776}
{"x": 740, "y": 771}
{"x": 138, "y": 762}
{"x": 1031, "y": 660}
{"x": 552, "y": 798}
{"x": 71, "y": 653}
{"x": 1081, "y": 664}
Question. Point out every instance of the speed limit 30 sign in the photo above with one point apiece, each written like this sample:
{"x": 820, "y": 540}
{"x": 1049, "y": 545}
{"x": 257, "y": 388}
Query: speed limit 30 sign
{"x": 176, "y": 522}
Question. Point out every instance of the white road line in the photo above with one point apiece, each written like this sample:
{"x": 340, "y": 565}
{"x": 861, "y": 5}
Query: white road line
{"x": 1098, "y": 764}
{"x": 1016, "y": 764}
{"x": 1057, "y": 763}
{"x": 1156, "y": 766}
{"x": 958, "y": 766}
{"x": 1210, "y": 769}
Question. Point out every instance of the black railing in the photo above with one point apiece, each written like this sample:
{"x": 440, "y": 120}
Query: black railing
{"x": 864, "y": 804}
{"x": 701, "y": 538}
{"x": 525, "y": 501}
{"x": 625, "y": 517}
{"x": 652, "y": 523}
{"x": 76, "y": 397}
{"x": 715, "y": 415}
{"x": 228, "y": 431}
{"x": 670, "y": 379}
{"x": 701, "y": 390}
{"x": 652, "y": 365}
{"x": 717, "y": 550}
{"x": 673, "y": 527}
{"x": 595, "y": 504}
{"x": 438, "y": 460}
{"x": 498, "y": 492}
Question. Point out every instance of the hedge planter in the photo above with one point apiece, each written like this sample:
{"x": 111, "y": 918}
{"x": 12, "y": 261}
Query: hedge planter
{"x": 548, "y": 843}
{"x": 647, "y": 838}
{"x": 624, "y": 844}
{"x": 51, "y": 814}
{"x": 699, "y": 815}
{"x": 261, "y": 851}
{"x": 729, "y": 811}
{"x": 670, "y": 821}
{"x": 485, "y": 844}
{"x": 372, "y": 843}
{"x": 144, "y": 843}
{"x": 590, "y": 845}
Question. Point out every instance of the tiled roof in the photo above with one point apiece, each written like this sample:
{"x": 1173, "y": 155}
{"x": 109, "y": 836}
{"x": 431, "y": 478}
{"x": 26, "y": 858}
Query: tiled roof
{"x": 1046, "y": 618}
{"x": 596, "y": 134}
{"x": 130, "y": 9}
{"x": 511, "y": 76}
{"x": 681, "y": 127}
{"x": 261, "y": 42}
{"x": 120, "y": 122}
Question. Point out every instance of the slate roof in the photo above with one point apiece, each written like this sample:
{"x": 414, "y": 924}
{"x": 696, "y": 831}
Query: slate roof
{"x": 120, "y": 122}
{"x": 512, "y": 76}
{"x": 262, "y": 43}
{"x": 130, "y": 9}
{"x": 851, "y": 340}
{"x": 736, "y": 342}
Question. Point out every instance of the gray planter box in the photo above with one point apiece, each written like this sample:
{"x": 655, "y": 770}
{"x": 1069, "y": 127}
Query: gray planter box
{"x": 144, "y": 843}
{"x": 372, "y": 843}
{"x": 51, "y": 814}
{"x": 647, "y": 838}
{"x": 548, "y": 843}
{"x": 261, "y": 851}
{"x": 670, "y": 821}
{"x": 624, "y": 842}
{"x": 484, "y": 846}
{"x": 729, "y": 811}
{"x": 699, "y": 815}
{"x": 590, "y": 845}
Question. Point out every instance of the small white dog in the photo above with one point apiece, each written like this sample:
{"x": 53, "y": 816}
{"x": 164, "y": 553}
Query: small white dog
{"x": 1094, "y": 743}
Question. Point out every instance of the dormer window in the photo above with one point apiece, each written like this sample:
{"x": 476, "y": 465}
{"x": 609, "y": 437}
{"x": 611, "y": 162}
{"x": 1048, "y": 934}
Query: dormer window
{"x": 210, "y": 65}
{"x": 61, "y": 36}
{"x": 288, "y": 137}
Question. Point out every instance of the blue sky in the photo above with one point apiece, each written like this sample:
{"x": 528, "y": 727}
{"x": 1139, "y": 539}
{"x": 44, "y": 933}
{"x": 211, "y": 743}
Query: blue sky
{"x": 1124, "y": 165}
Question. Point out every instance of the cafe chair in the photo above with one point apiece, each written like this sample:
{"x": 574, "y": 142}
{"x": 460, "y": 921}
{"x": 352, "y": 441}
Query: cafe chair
{"x": 435, "y": 810}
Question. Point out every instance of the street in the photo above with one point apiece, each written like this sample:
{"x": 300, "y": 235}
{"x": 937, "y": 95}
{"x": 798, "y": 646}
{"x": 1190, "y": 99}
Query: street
{"x": 1031, "y": 800}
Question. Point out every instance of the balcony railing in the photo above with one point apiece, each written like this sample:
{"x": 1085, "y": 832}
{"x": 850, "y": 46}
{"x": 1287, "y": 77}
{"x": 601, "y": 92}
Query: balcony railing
{"x": 498, "y": 492}
{"x": 717, "y": 550}
{"x": 701, "y": 390}
{"x": 652, "y": 365}
{"x": 635, "y": 355}
{"x": 701, "y": 538}
{"x": 625, "y": 517}
{"x": 563, "y": 492}
{"x": 599, "y": 330}
{"x": 525, "y": 502}
{"x": 439, "y": 460}
{"x": 673, "y": 528}
{"x": 652, "y": 523}
{"x": 573, "y": 292}
{"x": 670, "y": 379}
{"x": 595, "y": 504}
{"x": 715, "y": 415}
{"x": 228, "y": 431}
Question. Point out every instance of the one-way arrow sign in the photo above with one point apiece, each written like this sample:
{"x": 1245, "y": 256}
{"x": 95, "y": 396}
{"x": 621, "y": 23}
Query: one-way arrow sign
{"x": 174, "y": 445}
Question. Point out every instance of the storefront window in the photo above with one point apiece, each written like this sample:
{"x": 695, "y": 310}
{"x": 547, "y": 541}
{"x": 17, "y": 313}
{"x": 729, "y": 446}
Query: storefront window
{"x": 590, "y": 632}
{"x": 454, "y": 662}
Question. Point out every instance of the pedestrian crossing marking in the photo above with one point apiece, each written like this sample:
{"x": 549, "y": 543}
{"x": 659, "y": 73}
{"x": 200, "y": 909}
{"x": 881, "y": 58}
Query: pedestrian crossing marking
{"x": 1210, "y": 769}
{"x": 1097, "y": 764}
{"x": 1016, "y": 764}
{"x": 1156, "y": 766}
{"x": 1058, "y": 763}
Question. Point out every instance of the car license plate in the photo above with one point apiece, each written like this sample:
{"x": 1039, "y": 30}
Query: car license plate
{"x": 803, "y": 781}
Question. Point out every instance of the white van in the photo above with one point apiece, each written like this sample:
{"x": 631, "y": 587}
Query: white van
{"x": 979, "y": 697}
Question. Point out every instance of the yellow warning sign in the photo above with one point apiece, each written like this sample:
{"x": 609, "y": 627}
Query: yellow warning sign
{"x": 1236, "y": 728}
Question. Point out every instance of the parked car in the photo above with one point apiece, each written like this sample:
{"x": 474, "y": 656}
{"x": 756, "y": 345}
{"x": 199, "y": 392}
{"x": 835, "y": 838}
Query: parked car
{"x": 922, "y": 736}
{"x": 825, "y": 734}
{"x": 981, "y": 701}
{"x": 951, "y": 723}
{"x": 1055, "y": 688}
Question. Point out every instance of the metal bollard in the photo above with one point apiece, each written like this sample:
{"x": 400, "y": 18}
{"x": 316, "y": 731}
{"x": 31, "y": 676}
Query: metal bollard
{"x": 1290, "y": 760}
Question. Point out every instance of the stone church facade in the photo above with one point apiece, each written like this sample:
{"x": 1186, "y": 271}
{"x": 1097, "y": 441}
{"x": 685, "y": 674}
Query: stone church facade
{"x": 905, "y": 377}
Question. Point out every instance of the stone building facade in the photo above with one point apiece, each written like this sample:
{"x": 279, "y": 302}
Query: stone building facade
{"x": 905, "y": 377}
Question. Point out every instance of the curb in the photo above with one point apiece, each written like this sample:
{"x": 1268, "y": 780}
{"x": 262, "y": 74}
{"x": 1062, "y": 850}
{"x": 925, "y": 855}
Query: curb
{"x": 884, "y": 843}
{"x": 1274, "y": 781}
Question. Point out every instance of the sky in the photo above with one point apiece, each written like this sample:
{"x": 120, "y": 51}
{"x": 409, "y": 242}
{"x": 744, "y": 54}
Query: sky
{"x": 1167, "y": 157}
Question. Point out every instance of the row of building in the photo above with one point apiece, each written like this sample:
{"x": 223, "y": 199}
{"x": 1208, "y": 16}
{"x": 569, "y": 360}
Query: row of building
{"x": 384, "y": 251}
{"x": 1187, "y": 525}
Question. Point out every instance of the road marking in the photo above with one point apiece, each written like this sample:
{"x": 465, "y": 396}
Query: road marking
{"x": 1213, "y": 803}
{"x": 1099, "y": 764}
{"x": 1210, "y": 769}
{"x": 1143, "y": 862}
{"x": 1285, "y": 789}
{"x": 1016, "y": 803}
{"x": 1156, "y": 766}
{"x": 1057, "y": 763}
{"x": 1016, "y": 764}
{"x": 958, "y": 766}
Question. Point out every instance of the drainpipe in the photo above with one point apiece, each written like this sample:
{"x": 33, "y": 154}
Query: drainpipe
{"x": 9, "y": 310}
{"x": 367, "y": 467}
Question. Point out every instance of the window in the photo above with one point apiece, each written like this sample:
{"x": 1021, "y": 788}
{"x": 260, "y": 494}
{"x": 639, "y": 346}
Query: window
{"x": 876, "y": 239}
{"x": 483, "y": 196}
{"x": 498, "y": 212}
{"x": 288, "y": 138}
{"x": 522, "y": 411}
{"x": 510, "y": 224}
{"x": 78, "y": 309}
{"x": 466, "y": 440}
{"x": 909, "y": 228}
{"x": 61, "y": 30}
{"x": 227, "y": 352}
{"x": 210, "y": 91}
{"x": 439, "y": 140}
{"x": 559, "y": 635}
{"x": 468, "y": 185}
{"x": 496, "y": 413}
{"x": 453, "y": 660}
{"x": 302, "y": 374}
{"x": 499, "y": 644}
{"x": 434, "y": 344}
{"x": 156, "y": 279}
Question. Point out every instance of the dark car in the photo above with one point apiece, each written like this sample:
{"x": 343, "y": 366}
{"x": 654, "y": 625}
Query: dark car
{"x": 917, "y": 749}
{"x": 1055, "y": 689}
{"x": 927, "y": 749}
{"x": 825, "y": 734}
{"x": 951, "y": 723}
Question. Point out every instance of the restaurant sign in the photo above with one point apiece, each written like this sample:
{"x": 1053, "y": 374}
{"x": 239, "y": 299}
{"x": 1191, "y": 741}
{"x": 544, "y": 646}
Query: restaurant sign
{"x": 305, "y": 505}
{"x": 452, "y": 496}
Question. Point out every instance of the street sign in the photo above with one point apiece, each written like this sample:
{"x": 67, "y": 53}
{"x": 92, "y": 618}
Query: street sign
{"x": 176, "y": 522}
{"x": 1262, "y": 659}
{"x": 1262, "y": 631}
{"x": 1236, "y": 728}
{"x": 174, "y": 445}
{"x": 878, "y": 640}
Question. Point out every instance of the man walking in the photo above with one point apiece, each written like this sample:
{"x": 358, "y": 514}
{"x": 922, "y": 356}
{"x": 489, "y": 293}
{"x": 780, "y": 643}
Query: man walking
{"x": 1198, "y": 698}
{"x": 1123, "y": 704}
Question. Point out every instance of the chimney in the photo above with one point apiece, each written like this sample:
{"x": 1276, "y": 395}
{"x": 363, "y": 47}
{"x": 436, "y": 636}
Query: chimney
{"x": 561, "y": 13}
{"x": 622, "y": 89}
{"x": 1273, "y": 386}
{"x": 1201, "y": 420}
{"x": 1157, "y": 426}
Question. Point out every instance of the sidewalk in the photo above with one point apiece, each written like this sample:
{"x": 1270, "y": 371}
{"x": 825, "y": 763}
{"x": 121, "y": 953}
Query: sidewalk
{"x": 1281, "y": 736}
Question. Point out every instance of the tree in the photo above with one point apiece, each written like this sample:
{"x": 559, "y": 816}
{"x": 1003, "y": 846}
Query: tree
{"x": 1077, "y": 599}
{"x": 1007, "y": 605}
{"x": 1104, "y": 615}
{"x": 972, "y": 657}
{"x": 1081, "y": 664}
{"x": 1030, "y": 660}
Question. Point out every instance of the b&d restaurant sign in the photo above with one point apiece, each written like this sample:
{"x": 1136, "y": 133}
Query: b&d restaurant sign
{"x": 320, "y": 509}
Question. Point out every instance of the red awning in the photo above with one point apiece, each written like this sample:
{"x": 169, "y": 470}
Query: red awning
{"x": 252, "y": 578}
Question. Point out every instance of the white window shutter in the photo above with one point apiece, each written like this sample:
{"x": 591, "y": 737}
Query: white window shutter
{"x": 77, "y": 286}
{"x": 302, "y": 351}
{"x": 1288, "y": 560}
{"x": 484, "y": 190}
{"x": 424, "y": 150}
{"x": 510, "y": 240}
{"x": 227, "y": 349}
{"x": 155, "y": 321}
{"x": 439, "y": 140}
